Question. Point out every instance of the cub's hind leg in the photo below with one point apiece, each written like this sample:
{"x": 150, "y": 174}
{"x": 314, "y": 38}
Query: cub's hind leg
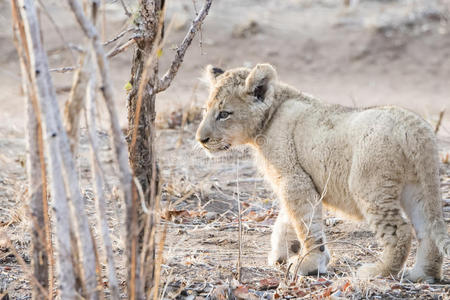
{"x": 428, "y": 264}
{"x": 380, "y": 204}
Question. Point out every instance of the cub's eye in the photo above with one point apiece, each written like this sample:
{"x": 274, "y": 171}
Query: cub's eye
{"x": 223, "y": 115}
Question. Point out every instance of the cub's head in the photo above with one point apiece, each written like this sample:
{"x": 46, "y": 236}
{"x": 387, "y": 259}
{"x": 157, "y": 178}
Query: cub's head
{"x": 238, "y": 105}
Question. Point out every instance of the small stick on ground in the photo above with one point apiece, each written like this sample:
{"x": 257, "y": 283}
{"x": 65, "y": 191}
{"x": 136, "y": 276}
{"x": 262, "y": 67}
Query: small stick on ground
{"x": 438, "y": 124}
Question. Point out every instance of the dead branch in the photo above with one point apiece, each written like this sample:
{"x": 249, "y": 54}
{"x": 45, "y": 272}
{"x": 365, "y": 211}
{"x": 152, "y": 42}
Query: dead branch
{"x": 125, "y": 9}
{"x": 121, "y": 48}
{"x": 56, "y": 27}
{"x": 159, "y": 261}
{"x": 37, "y": 178}
{"x": 438, "y": 124}
{"x": 37, "y": 60}
{"x": 107, "y": 91}
{"x": 164, "y": 83}
{"x": 75, "y": 103}
{"x": 63, "y": 69}
{"x": 120, "y": 149}
{"x": 118, "y": 36}
{"x": 98, "y": 178}
{"x": 62, "y": 164}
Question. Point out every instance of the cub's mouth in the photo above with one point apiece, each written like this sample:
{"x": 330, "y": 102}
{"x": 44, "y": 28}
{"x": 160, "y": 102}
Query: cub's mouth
{"x": 216, "y": 147}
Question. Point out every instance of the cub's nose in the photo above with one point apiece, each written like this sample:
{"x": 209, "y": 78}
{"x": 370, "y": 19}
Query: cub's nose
{"x": 204, "y": 140}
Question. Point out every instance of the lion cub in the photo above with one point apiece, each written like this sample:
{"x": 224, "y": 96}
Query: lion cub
{"x": 378, "y": 164}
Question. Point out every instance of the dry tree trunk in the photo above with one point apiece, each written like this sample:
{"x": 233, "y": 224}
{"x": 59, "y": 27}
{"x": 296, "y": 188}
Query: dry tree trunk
{"x": 37, "y": 182}
{"x": 38, "y": 201}
{"x": 141, "y": 117}
{"x": 36, "y": 62}
{"x": 64, "y": 178}
{"x": 141, "y": 132}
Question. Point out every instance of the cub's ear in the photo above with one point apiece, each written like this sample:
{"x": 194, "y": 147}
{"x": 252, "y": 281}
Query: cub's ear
{"x": 212, "y": 73}
{"x": 259, "y": 80}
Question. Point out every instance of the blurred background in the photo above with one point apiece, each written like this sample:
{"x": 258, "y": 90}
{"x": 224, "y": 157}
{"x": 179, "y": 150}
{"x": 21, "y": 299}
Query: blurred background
{"x": 356, "y": 53}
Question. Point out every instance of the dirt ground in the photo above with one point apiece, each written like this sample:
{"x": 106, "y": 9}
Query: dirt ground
{"x": 394, "y": 52}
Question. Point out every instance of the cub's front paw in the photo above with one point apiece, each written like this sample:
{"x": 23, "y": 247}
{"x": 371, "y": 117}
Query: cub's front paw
{"x": 418, "y": 275}
{"x": 276, "y": 257}
{"x": 368, "y": 271}
{"x": 314, "y": 263}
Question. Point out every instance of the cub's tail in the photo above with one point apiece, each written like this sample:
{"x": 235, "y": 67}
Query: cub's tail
{"x": 420, "y": 147}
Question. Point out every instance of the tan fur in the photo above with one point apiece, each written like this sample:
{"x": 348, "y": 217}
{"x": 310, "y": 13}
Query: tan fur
{"x": 373, "y": 163}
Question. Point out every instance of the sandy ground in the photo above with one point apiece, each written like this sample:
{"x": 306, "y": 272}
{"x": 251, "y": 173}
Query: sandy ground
{"x": 379, "y": 52}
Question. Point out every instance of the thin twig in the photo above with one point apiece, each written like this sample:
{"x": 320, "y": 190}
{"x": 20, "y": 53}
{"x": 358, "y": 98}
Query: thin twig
{"x": 120, "y": 149}
{"x": 63, "y": 69}
{"x": 159, "y": 260}
{"x": 438, "y": 124}
{"x": 75, "y": 103}
{"x": 98, "y": 178}
{"x": 239, "y": 220}
{"x": 107, "y": 91}
{"x": 58, "y": 31}
{"x": 125, "y": 9}
{"x": 164, "y": 83}
{"x": 120, "y": 35}
{"x": 121, "y": 48}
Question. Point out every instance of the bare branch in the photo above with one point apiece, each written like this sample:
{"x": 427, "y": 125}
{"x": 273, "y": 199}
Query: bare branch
{"x": 58, "y": 31}
{"x": 98, "y": 178}
{"x": 42, "y": 261}
{"x": 121, "y": 48}
{"x": 125, "y": 9}
{"x": 120, "y": 35}
{"x": 75, "y": 103}
{"x": 438, "y": 124}
{"x": 119, "y": 141}
{"x": 164, "y": 83}
{"x": 120, "y": 149}
{"x": 62, "y": 166}
{"x": 63, "y": 69}
{"x": 37, "y": 60}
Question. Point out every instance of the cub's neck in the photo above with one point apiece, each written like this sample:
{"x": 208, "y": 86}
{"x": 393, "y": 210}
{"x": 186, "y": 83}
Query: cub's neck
{"x": 282, "y": 93}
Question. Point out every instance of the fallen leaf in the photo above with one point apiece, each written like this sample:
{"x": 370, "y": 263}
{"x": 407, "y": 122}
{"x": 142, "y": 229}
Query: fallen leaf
{"x": 268, "y": 283}
{"x": 172, "y": 215}
{"x": 327, "y": 292}
{"x": 301, "y": 293}
{"x": 345, "y": 286}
